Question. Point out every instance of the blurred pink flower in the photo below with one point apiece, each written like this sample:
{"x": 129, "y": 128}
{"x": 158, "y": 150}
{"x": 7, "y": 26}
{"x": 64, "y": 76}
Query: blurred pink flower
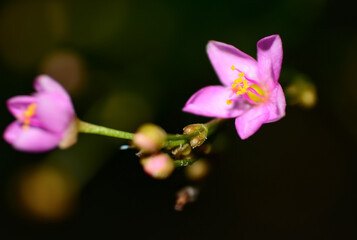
{"x": 42, "y": 119}
{"x": 250, "y": 92}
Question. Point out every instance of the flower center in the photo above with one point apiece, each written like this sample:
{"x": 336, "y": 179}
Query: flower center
{"x": 248, "y": 89}
{"x": 27, "y": 115}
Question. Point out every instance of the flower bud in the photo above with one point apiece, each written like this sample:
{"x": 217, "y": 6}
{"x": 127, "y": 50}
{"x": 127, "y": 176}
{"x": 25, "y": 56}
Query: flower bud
{"x": 159, "y": 166}
{"x": 197, "y": 170}
{"x": 192, "y": 128}
{"x": 201, "y": 134}
{"x": 308, "y": 97}
{"x": 183, "y": 150}
{"x": 302, "y": 92}
{"x": 149, "y": 138}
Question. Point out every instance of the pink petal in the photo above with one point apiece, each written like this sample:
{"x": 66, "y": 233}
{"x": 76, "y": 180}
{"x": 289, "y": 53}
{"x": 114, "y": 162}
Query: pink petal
{"x": 30, "y": 140}
{"x": 211, "y": 101}
{"x": 277, "y": 104}
{"x": 44, "y": 83}
{"x": 12, "y": 132}
{"x": 54, "y": 112}
{"x": 223, "y": 56}
{"x": 18, "y": 105}
{"x": 270, "y": 57}
{"x": 249, "y": 122}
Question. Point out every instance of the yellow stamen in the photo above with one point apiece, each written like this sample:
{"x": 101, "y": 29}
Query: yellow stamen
{"x": 245, "y": 84}
{"x": 241, "y": 86}
{"x": 241, "y": 91}
{"x": 238, "y": 80}
{"x": 30, "y": 111}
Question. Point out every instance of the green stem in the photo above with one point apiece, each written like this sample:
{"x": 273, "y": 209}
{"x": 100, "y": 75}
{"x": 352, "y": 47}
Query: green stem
{"x": 184, "y": 162}
{"x": 213, "y": 124}
{"x": 173, "y": 143}
{"x": 172, "y": 139}
{"x": 85, "y": 127}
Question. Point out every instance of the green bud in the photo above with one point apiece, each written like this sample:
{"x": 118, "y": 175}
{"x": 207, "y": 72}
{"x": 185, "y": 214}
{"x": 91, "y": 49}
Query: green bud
{"x": 197, "y": 170}
{"x": 183, "y": 150}
{"x": 149, "y": 138}
{"x": 199, "y": 131}
{"x": 301, "y": 91}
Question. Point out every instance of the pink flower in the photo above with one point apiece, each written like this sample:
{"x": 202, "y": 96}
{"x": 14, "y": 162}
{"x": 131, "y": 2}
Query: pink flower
{"x": 42, "y": 119}
{"x": 250, "y": 92}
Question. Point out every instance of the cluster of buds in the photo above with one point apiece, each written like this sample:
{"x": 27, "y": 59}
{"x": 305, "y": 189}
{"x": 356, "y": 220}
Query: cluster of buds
{"x": 150, "y": 138}
{"x": 199, "y": 131}
{"x": 196, "y": 135}
{"x": 158, "y": 158}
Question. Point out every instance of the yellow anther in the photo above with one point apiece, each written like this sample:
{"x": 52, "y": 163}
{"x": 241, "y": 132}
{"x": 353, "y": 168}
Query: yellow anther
{"x": 245, "y": 84}
{"x": 239, "y": 80}
{"x": 30, "y": 110}
{"x": 241, "y": 91}
{"x": 240, "y": 88}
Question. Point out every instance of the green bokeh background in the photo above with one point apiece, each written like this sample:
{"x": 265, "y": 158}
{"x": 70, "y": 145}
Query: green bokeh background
{"x": 139, "y": 61}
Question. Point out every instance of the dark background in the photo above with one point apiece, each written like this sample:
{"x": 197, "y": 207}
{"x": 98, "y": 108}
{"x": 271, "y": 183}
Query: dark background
{"x": 129, "y": 62}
